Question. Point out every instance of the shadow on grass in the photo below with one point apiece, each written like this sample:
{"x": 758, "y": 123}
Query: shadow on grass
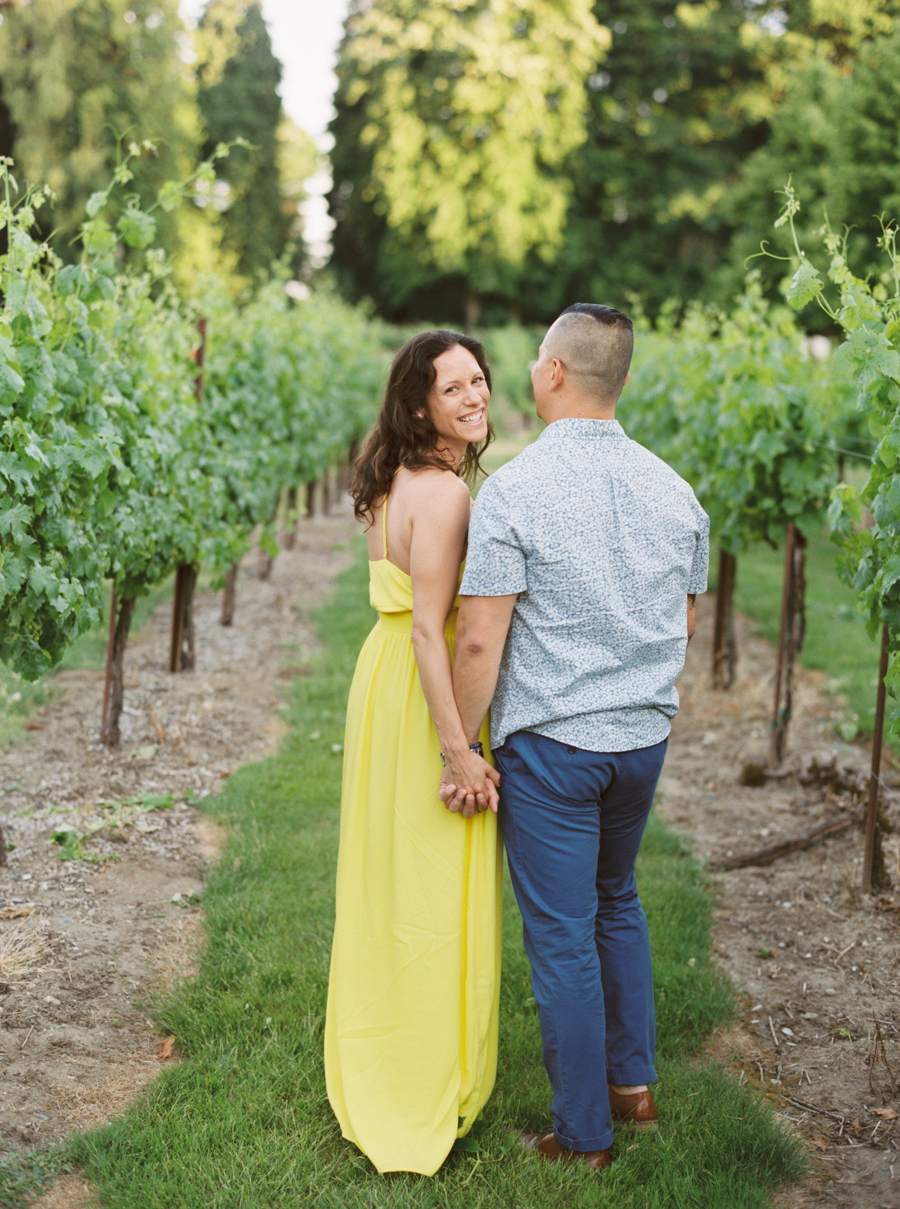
{"x": 244, "y": 1121}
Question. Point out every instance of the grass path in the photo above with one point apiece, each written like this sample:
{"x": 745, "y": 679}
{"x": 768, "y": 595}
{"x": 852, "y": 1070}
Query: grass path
{"x": 244, "y": 1122}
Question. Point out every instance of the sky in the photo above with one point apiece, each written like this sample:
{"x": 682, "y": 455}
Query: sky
{"x": 305, "y": 36}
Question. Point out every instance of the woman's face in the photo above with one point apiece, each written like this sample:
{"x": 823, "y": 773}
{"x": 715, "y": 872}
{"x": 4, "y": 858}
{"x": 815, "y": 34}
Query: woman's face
{"x": 457, "y": 403}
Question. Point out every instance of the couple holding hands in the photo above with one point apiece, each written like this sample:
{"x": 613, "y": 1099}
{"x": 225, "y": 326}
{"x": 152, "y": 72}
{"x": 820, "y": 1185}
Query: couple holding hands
{"x": 568, "y": 593}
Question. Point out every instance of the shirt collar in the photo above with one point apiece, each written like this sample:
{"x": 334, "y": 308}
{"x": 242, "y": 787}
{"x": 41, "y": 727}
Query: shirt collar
{"x": 582, "y": 430}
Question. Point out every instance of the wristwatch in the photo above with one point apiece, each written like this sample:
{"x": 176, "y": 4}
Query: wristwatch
{"x": 478, "y": 748}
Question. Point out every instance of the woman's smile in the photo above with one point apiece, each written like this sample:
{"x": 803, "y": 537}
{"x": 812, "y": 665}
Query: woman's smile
{"x": 474, "y": 417}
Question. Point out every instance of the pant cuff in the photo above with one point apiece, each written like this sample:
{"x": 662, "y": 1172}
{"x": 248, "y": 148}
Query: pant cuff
{"x": 581, "y": 1146}
{"x": 630, "y": 1076}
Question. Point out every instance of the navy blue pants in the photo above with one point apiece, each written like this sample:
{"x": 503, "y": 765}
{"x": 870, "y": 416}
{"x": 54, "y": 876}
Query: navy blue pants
{"x": 572, "y": 824}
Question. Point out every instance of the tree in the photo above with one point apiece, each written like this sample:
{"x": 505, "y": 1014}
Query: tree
{"x": 78, "y": 73}
{"x": 676, "y": 105}
{"x": 453, "y": 122}
{"x": 834, "y": 133}
{"x": 238, "y": 79}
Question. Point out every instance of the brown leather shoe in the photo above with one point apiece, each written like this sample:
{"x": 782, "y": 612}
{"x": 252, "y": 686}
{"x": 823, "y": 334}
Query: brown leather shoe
{"x": 546, "y": 1145}
{"x": 635, "y": 1108}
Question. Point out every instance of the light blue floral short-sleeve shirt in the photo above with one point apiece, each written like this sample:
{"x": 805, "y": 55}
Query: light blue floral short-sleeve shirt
{"x": 603, "y": 542}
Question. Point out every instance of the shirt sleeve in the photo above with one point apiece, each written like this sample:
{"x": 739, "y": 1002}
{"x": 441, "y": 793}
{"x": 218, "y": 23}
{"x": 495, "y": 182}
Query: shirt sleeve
{"x": 700, "y": 568}
{"x": 495, "y": 562}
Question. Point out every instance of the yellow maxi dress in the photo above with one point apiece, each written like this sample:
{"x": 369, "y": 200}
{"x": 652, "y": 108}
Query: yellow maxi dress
{"x": 411, "y": 1025}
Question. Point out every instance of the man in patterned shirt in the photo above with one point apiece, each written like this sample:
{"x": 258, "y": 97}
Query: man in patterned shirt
{"x": 585, "y": 556}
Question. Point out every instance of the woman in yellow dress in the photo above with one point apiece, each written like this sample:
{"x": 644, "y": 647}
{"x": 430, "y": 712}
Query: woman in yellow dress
{"x": 411, "y": 1025}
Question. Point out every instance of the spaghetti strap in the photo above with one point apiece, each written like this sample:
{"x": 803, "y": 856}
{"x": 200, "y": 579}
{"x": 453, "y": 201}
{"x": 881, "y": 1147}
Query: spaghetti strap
{"x": 384, "y": 541}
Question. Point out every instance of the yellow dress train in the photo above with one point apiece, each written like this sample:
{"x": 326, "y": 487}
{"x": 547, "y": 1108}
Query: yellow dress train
{"x": 411, "y": 1025}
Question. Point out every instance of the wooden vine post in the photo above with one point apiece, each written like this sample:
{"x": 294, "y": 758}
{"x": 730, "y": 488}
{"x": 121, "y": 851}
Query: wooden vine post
{"x": 724, "y": 655}
{"x": 874, "y": 875}
{"x": 107, "y": 684}
{"x": 181, "y": 645}
{"x": 229, "y": 594}
{"x": 120, "y": 614}
{"x": 290, "y": 526}
{"x": 790, "y": 638}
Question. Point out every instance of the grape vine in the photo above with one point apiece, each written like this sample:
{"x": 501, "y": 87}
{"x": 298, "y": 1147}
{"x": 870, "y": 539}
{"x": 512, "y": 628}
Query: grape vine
{"x": 110, "y": 467}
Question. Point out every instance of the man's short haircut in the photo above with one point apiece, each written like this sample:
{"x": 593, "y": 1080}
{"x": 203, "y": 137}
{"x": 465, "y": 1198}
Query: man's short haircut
{"x": 595, "y": 344}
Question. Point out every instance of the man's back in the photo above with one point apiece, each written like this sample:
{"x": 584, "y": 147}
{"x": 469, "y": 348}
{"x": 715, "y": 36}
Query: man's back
{"x": 603, "y": 542}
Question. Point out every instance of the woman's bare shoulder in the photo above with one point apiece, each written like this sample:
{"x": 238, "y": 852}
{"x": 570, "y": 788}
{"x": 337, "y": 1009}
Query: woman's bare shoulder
{"x": 429, "y": 479}
{"x": 430, "y": 487}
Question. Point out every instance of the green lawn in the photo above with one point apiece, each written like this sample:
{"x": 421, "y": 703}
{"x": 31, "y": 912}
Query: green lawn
{"x": 244, "y": 1122}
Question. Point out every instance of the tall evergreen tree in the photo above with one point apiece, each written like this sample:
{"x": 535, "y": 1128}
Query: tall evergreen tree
{"x": 238, "y": 79}
{"x": 453, "y": 121}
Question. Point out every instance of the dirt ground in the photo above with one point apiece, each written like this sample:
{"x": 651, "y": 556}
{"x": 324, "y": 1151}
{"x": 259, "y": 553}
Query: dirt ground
{"x": 818, "y": 964}
{"x": 83, "y": 945}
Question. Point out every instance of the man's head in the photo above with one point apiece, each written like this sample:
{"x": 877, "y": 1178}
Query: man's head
{"x": 583, "y": 363}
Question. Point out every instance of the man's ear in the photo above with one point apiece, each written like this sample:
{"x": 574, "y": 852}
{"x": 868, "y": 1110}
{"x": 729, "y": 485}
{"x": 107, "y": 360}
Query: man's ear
{"x": 557, "y": 374}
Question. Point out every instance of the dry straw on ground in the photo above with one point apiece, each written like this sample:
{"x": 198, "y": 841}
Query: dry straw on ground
{"x": 22, "y": 948}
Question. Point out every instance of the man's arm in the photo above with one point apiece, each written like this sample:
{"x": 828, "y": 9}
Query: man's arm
{"x": 691, "y": 618}
{"x": 481, "y": 630}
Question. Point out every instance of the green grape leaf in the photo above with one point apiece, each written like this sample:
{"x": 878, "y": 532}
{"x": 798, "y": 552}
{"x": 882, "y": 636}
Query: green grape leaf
{"x": 867, "y": 356}
{"x": 805, "y": 285}
{"x": 95, "y": 204}
{"x": 97, "y": 237}
{"x": 14, "y": 519}
{"x": 891, "y": 572}
{"x": 136, "y": 228}
{"x": 893, "y": 670}
{"x": 42, "y": 581}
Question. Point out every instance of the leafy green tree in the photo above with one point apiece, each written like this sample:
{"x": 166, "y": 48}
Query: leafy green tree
{"x": 78, "y": 73}
{"x": 238, "y": 79}
{"x": 678, "y": 103}
{"x": 454, "y": 120}
{"x": 835, "y": 133}
{"x": 840, "y": 27}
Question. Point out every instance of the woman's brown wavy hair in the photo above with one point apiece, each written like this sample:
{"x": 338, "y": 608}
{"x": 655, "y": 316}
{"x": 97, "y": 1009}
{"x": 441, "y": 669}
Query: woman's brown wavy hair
{"x": 399, "y": 438}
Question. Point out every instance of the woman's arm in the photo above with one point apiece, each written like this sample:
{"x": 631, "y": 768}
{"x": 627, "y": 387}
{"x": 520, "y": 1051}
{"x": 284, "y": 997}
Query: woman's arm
{"x": 440, "y": 521}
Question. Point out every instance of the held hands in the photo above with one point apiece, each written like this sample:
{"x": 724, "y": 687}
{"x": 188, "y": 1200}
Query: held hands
{"x": 469, "y": 784}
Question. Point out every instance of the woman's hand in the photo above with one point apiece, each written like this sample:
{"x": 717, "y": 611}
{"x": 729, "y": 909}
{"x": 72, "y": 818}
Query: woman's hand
{"x": 469, "y": 784}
